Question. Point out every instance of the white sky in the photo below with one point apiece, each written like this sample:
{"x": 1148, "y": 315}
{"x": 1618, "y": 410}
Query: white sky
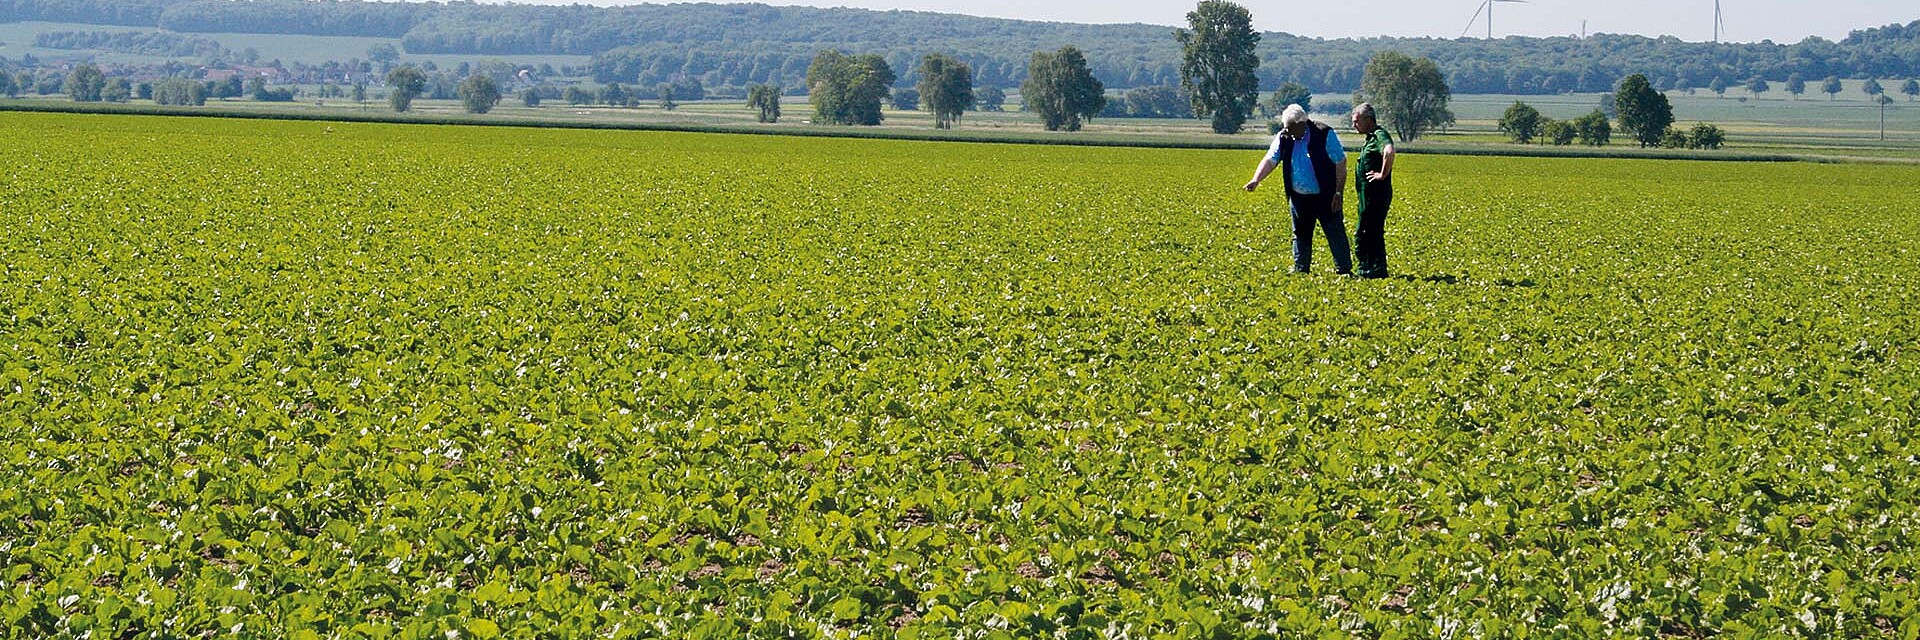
{"x": 1783, "y": 21}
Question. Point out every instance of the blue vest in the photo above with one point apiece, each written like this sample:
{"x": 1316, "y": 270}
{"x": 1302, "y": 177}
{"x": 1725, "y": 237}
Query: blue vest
{"x": 1316, "y": 152}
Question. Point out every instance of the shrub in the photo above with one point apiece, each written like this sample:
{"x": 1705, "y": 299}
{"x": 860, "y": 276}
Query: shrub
{"x": 1705, "y": 136}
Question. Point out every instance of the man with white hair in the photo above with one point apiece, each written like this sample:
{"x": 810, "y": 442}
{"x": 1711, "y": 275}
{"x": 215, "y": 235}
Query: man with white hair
{"x": 1315, "y": 167}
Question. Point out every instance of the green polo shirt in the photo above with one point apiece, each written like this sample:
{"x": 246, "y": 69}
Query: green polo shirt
{"x": 1372, "y": 156}
{"x": 1372, "y": 153}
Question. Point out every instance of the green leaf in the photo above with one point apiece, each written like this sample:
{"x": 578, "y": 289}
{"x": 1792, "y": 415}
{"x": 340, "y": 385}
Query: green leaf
{"x": 483, "y": 628}
{"x": 846, "y": 609}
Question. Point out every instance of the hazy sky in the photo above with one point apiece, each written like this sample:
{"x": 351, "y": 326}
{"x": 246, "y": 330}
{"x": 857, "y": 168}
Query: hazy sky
{"x": 1782, "y": 21}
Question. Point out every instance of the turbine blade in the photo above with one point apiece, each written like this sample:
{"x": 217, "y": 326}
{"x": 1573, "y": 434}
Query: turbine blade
{"x": 1476, "y": 17}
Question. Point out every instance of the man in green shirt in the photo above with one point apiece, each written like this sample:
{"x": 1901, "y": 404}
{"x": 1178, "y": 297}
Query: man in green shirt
{"x": 1375, "y": 187}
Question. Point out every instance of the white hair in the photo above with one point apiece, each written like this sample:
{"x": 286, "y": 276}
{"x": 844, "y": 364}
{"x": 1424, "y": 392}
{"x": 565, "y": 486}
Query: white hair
{"x": 1293, "y": 115}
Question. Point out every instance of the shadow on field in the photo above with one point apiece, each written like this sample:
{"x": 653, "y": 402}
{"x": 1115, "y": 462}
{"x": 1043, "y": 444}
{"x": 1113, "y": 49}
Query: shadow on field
{"x": 1448, "y": 278}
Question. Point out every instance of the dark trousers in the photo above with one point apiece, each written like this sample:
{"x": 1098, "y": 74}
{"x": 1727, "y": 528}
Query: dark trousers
{"x": 1308, "y": 210}
{"x": 1369, "y": 239}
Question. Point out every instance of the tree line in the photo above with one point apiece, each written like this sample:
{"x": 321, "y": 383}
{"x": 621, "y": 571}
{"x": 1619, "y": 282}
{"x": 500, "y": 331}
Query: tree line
{"x": 1218, "y": 81}
{"x": 88, "y": 83}
{"x": 1644, "y": 112}
{"x": 740, "y": 45}
{"x": 146, "y": 43}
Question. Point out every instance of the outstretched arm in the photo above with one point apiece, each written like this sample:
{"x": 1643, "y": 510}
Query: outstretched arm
{"x": 1266, "y": 168}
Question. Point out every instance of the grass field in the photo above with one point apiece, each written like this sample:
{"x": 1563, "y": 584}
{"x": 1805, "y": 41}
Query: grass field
{"x": 301, "y": 379}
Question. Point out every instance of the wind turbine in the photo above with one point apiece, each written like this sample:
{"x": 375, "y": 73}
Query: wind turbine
{"x": 1487, "y": 8}
{"x": 1718, "y": 25}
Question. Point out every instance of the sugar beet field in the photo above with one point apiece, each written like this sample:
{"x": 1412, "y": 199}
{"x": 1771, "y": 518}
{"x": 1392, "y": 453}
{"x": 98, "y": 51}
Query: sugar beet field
{"x": 312, "y": 380}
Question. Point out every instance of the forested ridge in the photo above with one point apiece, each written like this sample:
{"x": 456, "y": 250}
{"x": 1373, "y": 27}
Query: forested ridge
{"x": 740, "y": 44}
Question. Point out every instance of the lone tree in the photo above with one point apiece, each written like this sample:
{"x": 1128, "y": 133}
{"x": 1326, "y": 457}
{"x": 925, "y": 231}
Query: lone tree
{"x": 1705, "y": 136}
{"x": 946, "y": 88}
{"x": 1593, "y": 129}
{"x": 479, "y": 94}
{"x": 407, "y": 82}
{"x": 990, "y": 99}
{"x": 1645, "y": 114}
{"x": 1061, "y": 89}
{"x": 664, "y": 94}
{"x": 85, "y": 83}
{"x": 117, "y": 90}
{"x": 1831, "y": 87}
{"x": 1911, "y": 88}
{"x": 1289, "y": 93}
{"x": 234, "y": 87}
{"x": 110, "y": 89}
{"x": 1559, "y": 132}
{"x": 1758, "y": 85}
{"x": 765, "y": 101}
{"x": 1718, "y": 87}
{"x": 179, "y": 91}
{"x": 1158, "y": 102}
{"x": 1872, "y": 87}
{"x": 359, "y": 92}
{"x": 530, "y": 97}
{"x": 614, "y": 95}
{"x": 383, "y": 54}
{"x": 1521, "y": 122}
{"x": 848, "y": 89}
{"x": 1409, "y": 95}
{"x": 1796, "y": 85}
{"x": 7, "y": 87}
{"x": 1218, "y": 62}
